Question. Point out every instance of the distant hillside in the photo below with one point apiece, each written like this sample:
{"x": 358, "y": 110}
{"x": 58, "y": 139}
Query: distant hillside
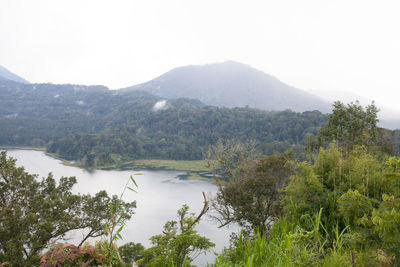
{"x": 8, "y": 75}
{"x": 232, "y": 84}
{"x": 96, "y": 126}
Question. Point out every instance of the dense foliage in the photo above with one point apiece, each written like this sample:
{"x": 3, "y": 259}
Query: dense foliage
{"x": 341, "y": 208}
{"x": 337, "y": 211}
{"x": 187, "y": 132}
{"x": 96, "y": 126}
{"x": 249, "y": 192}
{"x": 351, "y": 125}
{"x": 36, "y": 212}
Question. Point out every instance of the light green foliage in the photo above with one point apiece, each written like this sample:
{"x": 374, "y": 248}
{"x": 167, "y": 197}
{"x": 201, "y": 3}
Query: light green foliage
{"x": 179, "y": 243}
{"x": 286, "y": 245}
{"x": 305, "y": 189}
{"x": 386, "y": 221}
{"x": 353, "y": 207}
{"x": 357, "y": 192}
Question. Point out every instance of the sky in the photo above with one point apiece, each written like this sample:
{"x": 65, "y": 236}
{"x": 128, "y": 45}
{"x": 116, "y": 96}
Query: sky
{"x": 320, "y": 45}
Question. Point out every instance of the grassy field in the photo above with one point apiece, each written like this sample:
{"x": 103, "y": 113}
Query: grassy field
{"x": 195, "y": 169}
{"x": 180, "y": 165}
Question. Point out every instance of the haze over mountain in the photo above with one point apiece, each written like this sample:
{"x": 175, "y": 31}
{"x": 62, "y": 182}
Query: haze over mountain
{"x": 5, "y": 75}
{"x": 388, "y": 117}
{"x": 232, "y": 84}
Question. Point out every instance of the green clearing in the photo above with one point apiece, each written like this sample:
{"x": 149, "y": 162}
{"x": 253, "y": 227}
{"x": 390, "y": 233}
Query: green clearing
{"x": 156, "y": 164}
{"x": 179, "y": 165}
{"x": 195, "y": 169}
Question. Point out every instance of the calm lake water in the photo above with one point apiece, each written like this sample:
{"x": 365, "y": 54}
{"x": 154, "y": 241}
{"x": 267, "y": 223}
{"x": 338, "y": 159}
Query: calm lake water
{"x": 160, "y": 195}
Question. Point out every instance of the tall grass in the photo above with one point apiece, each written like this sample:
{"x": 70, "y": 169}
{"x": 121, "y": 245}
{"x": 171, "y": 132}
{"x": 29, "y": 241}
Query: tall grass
{"x": 281, "y": 248}
{"x": 303, "y": 243}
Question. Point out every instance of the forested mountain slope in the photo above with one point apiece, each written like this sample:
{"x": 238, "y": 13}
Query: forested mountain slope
{"x": 81, "y": 122}
{"x": 232, "y": 84}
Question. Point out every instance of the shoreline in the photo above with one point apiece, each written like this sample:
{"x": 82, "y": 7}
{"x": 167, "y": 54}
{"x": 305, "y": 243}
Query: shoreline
{"x": 195, "y": 169}
{"x": 24, "y": 148}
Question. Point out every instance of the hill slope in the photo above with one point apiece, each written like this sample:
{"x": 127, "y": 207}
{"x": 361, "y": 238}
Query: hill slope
{"x": 231, "y": 84}
{"x": 5, "y": 75}
{"x": 97, "y": 126}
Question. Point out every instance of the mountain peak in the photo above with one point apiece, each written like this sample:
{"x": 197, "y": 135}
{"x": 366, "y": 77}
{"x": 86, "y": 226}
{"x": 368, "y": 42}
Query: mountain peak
{"x": 6, "y": 75}
{"x": 231, "y": 84}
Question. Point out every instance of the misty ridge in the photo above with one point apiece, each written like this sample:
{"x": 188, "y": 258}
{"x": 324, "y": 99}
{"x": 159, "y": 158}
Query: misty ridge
{"x": 233, "y": 84}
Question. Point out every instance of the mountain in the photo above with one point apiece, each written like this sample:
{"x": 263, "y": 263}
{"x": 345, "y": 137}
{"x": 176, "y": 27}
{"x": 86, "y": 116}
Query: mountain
{"x": 232, "y": 84}
{"x": 5, "y": 75}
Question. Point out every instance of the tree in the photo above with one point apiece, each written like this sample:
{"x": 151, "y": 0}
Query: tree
{"x": 179, "y": 243}
{"x": 249, "y": 195}
{"x": 35, "y": 213}
{"x": 351, "y": 125}
{"x": 131, "y": 252}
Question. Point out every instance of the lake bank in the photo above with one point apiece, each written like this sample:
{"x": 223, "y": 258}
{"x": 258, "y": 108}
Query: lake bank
{"x": 195, "y": 169}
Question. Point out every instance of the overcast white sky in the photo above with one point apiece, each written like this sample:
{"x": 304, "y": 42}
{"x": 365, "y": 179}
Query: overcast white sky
{"x": 345, "y": 45}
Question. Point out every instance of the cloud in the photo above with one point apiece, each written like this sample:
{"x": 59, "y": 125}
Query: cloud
{"x": 160, "y": 105}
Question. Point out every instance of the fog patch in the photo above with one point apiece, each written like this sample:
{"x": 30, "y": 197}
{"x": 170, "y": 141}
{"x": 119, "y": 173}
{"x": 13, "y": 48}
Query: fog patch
{"x": 162, "y": 104}
{"x": 81, "y": 103}
{"x": 11, "y": 116}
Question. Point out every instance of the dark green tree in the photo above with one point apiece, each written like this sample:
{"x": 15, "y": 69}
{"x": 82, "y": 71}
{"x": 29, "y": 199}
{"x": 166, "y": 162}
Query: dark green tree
{"x": 249, "y": 195}
{"x": 131, "y": 252}
{"x": 351, "y": 125}
{"x": 36, "y": 212}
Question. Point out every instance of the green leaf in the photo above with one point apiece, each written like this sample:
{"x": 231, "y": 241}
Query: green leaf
{"x": 130, "y": 188}
{"x": 119, "y": 229}
{"x": 111, "y": 207}
{"x": 134, "y": 182}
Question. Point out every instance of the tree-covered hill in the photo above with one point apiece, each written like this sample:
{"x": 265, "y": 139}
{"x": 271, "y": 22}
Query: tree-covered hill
{"x": 96, "y": 126}
{"x": 186, "y": 132}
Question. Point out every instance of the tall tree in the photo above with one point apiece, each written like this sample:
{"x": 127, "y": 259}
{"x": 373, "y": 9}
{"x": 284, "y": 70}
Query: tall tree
{"x": 249, "y": 195}
{"x": 351, "y": 125}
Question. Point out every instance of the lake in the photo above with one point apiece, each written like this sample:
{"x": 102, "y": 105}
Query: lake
{"x": 160, "y": 195}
